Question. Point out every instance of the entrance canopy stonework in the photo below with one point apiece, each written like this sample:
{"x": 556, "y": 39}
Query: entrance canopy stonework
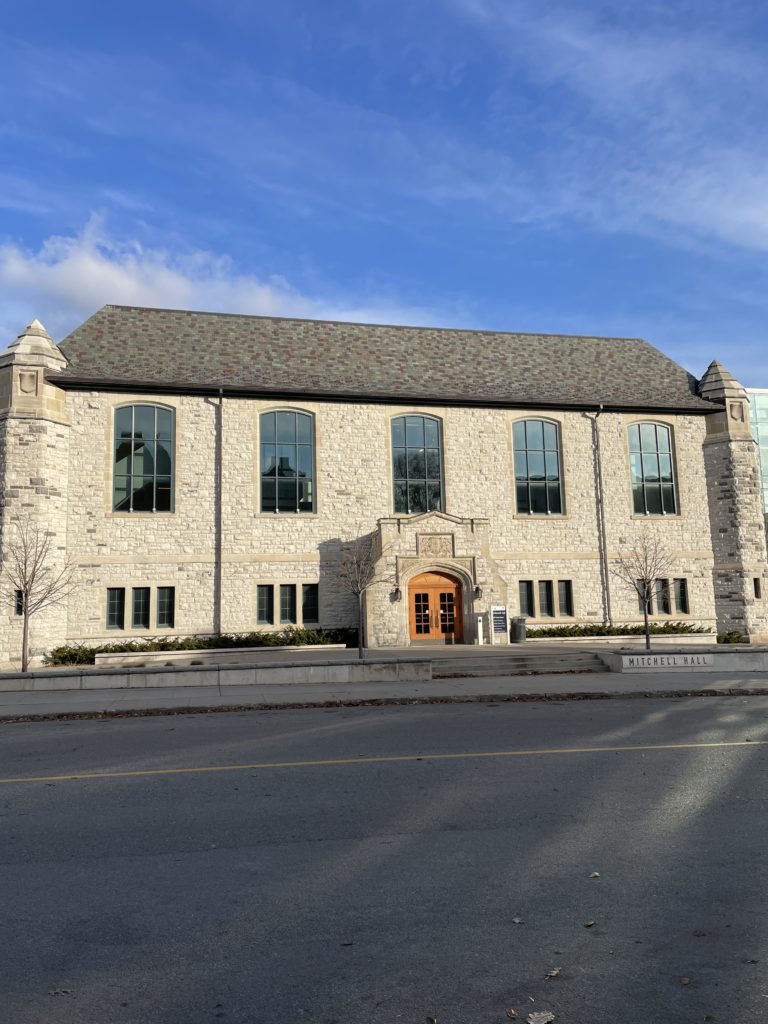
{"x": 439, "y": 543}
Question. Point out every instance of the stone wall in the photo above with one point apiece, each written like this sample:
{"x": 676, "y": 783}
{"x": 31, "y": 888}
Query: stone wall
{"x": 354, "y": 492}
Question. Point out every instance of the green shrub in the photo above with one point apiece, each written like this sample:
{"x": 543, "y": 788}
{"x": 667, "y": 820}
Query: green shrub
{"x": 732, "y": 637}
{"x": 291, "y": 636}
{"x": 600, "y": 629}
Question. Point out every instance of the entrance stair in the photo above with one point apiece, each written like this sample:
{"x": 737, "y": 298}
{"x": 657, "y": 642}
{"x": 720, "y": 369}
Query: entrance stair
{"x": 446, "y": 666}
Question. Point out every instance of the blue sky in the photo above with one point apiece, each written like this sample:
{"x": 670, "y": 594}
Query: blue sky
{"x": 578, "y": 167}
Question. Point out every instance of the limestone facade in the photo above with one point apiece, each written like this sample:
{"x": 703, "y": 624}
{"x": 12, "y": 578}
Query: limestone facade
{"x": 216, "y": 547}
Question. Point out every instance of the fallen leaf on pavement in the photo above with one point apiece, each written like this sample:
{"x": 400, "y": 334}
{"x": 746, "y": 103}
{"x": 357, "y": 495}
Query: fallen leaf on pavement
{"x": 347, "y": 942}
{"x": 589, "y": 924}
{"x": 430, "y": 1019}
{"x": 512, "y": 1014}
{"x": 698, "y": 934}
{"x": 552, "y": 972}
{"x": 60, "y": 992}
{"x": 685, "y": 981}
{"x": 750, "y": 961}
{"x": 541, "y": 1017}
{"x": 595, "y": 874}
{"x": 709, "y": 1016}
{"x": 517, "y": 920}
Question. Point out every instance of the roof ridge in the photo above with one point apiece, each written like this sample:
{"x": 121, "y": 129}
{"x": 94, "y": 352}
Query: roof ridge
{"x": 367, "y": 323}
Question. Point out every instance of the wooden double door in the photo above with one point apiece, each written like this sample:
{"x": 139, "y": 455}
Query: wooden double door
{"x": 434, "y": 609}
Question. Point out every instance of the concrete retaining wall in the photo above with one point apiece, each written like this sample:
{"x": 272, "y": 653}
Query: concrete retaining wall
{"x": 686, "y": 661}
{"x": 210, "y": 656}
{"x": 221, "y": 675}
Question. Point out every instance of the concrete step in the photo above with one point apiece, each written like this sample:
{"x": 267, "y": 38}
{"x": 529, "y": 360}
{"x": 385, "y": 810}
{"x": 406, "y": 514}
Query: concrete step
{"x": 518, "y": 664}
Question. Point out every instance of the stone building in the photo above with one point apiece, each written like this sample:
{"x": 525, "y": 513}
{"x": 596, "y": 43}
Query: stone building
{"x": 204, "y": 472}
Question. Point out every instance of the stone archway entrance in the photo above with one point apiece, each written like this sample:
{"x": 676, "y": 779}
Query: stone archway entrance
{"x": 435, "y": 609}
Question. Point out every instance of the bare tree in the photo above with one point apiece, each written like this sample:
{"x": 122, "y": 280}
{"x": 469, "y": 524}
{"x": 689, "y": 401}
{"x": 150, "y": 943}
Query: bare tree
{"x": 356, "y": 572}
{"x": 640, "y": 569}
{"x": 35, "y": 580}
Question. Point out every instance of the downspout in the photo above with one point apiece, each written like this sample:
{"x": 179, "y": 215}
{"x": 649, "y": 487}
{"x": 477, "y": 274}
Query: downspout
{"x": 601, "y": 530}
{"x": 217, "y": 514}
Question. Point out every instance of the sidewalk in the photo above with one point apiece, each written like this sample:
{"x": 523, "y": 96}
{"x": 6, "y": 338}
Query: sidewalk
{"x": 590, "y": 685}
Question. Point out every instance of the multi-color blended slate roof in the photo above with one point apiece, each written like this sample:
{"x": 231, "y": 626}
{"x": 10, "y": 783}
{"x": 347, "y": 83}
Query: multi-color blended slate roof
{"x": 171, "y": 349}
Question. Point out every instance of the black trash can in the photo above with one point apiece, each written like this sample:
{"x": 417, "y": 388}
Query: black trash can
{"x": 518, "y": 629}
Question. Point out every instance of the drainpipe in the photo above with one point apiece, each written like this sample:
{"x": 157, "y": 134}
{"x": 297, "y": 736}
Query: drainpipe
{"x": 601, "y": 530}
{"x": 217, "y": 514}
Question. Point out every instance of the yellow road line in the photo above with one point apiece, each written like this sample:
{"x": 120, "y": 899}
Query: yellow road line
{"x": 383, "y": 760}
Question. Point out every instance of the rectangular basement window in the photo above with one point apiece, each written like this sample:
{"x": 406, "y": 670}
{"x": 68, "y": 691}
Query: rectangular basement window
{"x": 546, "y": 599}
{"x": 288, "y": 603}
{"x": 166, "y": 607}
{"x": 310, "y": 611}
{"x": 565, "y": 597}
{"x": 526, "y": 598}
{"x": 265, "y": 604}
{"x": 140, "y": 617}
{"x": 116, "y": 608}
{"x": 681, "y": 596}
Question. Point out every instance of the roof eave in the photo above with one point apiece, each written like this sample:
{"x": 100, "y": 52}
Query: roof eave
{"x": 74, "y": 383}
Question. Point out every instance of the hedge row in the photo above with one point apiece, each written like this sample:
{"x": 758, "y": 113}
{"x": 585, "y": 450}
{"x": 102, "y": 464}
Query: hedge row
{"x": 600, "y": 629}
{"x": 83, "y": 654}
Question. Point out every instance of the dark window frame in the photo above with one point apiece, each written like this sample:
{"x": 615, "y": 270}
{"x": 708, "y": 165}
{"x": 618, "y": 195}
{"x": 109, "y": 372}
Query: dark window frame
{"x": 268, "y": 617}
{"x": 565, "y": 598}
{"x": 406, "y": 486}
{"x": 141, "y": 606}
{"x": 146, "y": 447}
{"x": 18, "y": 602}
{"x": 681, "y": 595}
{"x": 310, "y": 596}
{"x": 545, "y": 592}
{"x": 115, "y": 610}
{"x": 529, "y": 489}
{"x": 288, "y": 611}
{"x": 526, "y": 598}
{"x": 293, "y": 444}
{"x": 659, "y": 496}
{"x": 165, "y": 610}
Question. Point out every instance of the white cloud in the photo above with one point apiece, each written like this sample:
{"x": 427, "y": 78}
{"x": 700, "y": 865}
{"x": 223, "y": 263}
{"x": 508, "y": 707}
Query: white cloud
{"x": 70, "y": 277}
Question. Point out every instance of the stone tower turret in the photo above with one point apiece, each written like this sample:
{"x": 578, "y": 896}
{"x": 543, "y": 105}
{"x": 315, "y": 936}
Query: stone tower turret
{"x": 34, "y": 470}
{"x": 732, "y": 467}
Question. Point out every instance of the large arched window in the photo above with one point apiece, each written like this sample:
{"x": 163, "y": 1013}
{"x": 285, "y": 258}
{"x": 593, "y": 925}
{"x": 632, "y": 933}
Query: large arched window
{"x": 650, "y": 462}
{"x": 287, "y": 462}
{"x": 538, "y": 480}
{"x": 417, "y": 464}
{"x": 143, "y": 459}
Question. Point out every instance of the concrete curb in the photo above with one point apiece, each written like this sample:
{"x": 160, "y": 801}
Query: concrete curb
{"x": 503, "y": 698}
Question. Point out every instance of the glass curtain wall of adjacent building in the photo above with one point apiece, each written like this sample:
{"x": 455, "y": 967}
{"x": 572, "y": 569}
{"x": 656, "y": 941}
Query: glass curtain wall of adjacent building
{"x": 758, "y": 412}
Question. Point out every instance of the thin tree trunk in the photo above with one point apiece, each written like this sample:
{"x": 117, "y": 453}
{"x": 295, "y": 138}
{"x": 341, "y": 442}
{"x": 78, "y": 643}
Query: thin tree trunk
{"x": 360, "y": 637}
{"x": 25, "y": 640}
{"x": 647, "y": 626}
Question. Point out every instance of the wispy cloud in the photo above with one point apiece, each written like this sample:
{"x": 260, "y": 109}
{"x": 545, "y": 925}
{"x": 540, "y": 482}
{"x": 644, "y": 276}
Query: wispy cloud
{"x": 660, "y": 127}
{"x": 68, "y": 278}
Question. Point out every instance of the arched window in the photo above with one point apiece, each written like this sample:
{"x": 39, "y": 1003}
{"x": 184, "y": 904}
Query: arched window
{"x": 538, "y": 480}
{"x": 650, "y": 462}
{"x": 287, "y": 462}
{"x": 143, "y": 459}
{"x": 417, "y": 464}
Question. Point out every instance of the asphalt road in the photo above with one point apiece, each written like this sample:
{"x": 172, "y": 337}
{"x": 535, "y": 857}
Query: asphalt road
{"x": 388, "y": 882}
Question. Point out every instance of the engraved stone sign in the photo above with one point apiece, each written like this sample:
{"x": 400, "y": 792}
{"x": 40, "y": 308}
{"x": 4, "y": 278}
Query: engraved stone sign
{"x": 28, "y": 382}
{"x": 737, "y": 411}
{"x": 435, "y": 545}
{"x": 664, "y": 662}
